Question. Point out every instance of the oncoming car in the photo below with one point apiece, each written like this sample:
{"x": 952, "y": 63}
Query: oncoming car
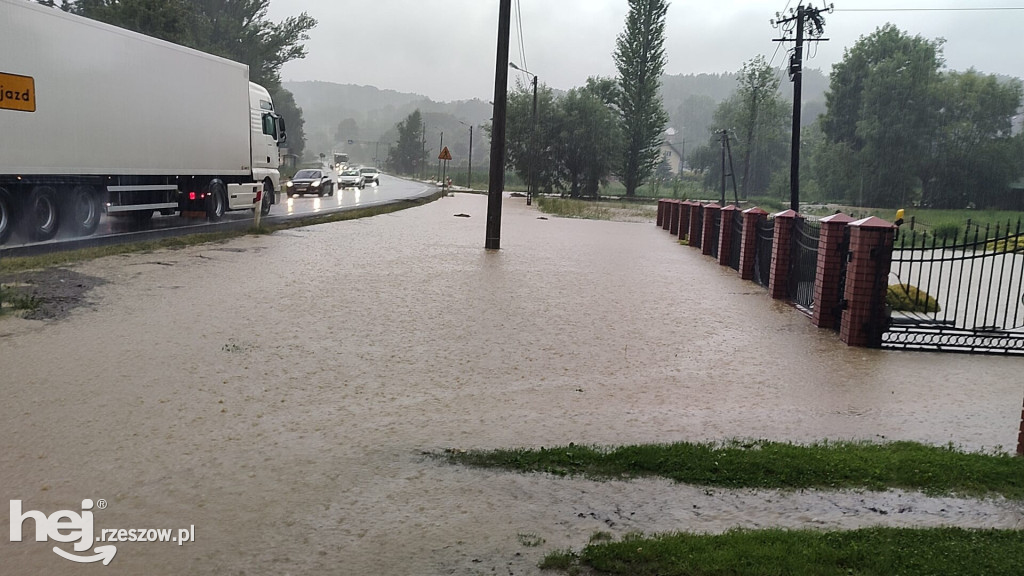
{"x": 351, "y": 179}
{"x": 310, "y": 181}
{"x": 370, "y": 176}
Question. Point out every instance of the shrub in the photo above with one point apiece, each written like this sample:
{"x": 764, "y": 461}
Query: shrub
{"x": 907, "y": 298}
{"x": 1010, "y": 244}
{"x": 946, "y": 230}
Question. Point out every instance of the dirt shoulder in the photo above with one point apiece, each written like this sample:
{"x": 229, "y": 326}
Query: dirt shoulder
{"x": 47, "y": 294}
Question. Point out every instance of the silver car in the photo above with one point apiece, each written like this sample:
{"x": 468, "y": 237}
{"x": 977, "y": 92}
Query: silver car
{"x": 351, "y": 179}
{"x": 370, "y": 175}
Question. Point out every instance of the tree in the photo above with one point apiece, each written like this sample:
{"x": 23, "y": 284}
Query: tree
{"x": 239, "y": 30}
{"x": 587, "y": 142}
{"x": 406, "y": 157}
{"x": 881, "y": 106}
{"x": 347, "y": 130}
{"x": 171, "y": 20}
{"x": 523, "y": 144}
{"x": 972, "y": 153}
{"x": 697, "y": 115}
{"x": 284, "y": 104}
{"x": 897, "y": 123}
{"x": 640, "y": 58}
{"x": 757, "y": 115}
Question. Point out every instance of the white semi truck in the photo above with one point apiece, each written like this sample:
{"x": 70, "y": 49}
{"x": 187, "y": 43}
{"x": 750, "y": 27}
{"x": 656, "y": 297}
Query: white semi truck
{"x": 97, "y": 119}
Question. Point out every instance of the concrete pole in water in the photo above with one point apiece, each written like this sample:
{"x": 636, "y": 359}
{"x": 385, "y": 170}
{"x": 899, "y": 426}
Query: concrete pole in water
{"x": 497, "y": 168}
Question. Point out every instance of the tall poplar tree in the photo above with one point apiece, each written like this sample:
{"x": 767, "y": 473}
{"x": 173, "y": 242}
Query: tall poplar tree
{"x": 640, "y": 59}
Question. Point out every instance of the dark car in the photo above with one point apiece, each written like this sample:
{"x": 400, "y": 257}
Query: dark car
{"x": 310, "y": 181}
{"x": 370, "y": 175}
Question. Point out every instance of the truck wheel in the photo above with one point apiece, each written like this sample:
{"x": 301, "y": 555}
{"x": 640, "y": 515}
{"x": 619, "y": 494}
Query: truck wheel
{"x": 268, "y": 198}
{"x": 83, "y": 210}
{"x": 6, "y": 215}
{"x": 42, "y": 217}
{"x": 216, "y": 200}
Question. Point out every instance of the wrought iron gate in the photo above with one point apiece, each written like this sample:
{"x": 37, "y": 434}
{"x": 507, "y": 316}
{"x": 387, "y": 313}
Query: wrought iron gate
{"x": 804, "y": 263}
{"x": 697, "y": 238}
{"x": 763, "y": 251}
{"x": 716, "y": 229}
{"x": 736, "y": 239}
{"x": 962, "y": 295}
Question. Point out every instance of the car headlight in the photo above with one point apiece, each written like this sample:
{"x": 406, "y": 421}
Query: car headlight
{"x": 315, "y": 184}
{"x": 288, "y": 184}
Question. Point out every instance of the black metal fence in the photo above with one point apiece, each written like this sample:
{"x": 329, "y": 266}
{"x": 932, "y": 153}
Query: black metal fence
{"x": 962, "y": 294}
{"x": 804, "y": 263}
{"x": 763, "y": 251}
{"x": 698, "y": 237}
{"x": 716, "y": 231}
{"x": 736, "y": 239}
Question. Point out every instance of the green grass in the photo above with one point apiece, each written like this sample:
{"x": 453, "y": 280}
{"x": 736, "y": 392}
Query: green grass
{"x": 11, "y": 299}
{"x": 62, "y": 258}
{"x": 764, "y": 464}
{"x": 598, "y": 210}
{"x": 865, "y": 552}
{"x": 571, "y": 208}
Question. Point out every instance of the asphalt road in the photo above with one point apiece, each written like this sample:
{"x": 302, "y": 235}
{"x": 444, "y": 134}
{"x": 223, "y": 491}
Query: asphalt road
{"x": 114, "y": 230}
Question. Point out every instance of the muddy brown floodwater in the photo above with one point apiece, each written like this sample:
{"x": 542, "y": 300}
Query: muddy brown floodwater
{"x": 279, "y": 394}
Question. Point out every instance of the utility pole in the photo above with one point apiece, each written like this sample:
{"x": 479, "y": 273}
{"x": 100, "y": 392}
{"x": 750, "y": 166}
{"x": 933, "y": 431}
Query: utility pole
{"x": 497, "y": 174}
{"x": 530, "y": 187}
{"x": 531, "y": 156}
{"x": 423, "y": 153}
{"x": 802, "y": 16}
{"x": 469, "y": 177}
{"x": 439, "y": 148}
{"x": 723, "y": 168}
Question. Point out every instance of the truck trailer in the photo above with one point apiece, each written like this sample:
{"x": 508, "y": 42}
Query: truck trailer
{"x": 97, "y": 119}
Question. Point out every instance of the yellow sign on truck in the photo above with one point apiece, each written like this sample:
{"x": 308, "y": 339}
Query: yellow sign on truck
{"x": 17, "y": 92}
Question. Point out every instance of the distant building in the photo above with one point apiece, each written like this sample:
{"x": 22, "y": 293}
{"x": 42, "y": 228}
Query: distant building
{"x": 673, "y": 148}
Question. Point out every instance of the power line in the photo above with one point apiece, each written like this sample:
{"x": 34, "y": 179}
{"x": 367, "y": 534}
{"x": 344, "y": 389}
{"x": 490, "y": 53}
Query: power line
{"x": 988, "y": 9}
{"x": 519, "y": 31}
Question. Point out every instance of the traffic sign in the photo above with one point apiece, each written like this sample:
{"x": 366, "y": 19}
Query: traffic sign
{"x": 445, "y": 154}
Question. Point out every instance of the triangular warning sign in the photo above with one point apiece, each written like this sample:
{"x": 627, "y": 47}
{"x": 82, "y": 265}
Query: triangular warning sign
{"x": 445, "y": 154}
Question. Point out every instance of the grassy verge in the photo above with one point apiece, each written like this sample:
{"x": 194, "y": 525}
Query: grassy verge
{"x": 589, "y": 209}
{"x": 869, "y": 551}
{"x": 10, "y": 265}
{"x": 763, "y": 464}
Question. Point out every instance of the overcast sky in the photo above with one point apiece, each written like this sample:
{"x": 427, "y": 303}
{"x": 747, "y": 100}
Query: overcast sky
{"x": 446, "y": 50}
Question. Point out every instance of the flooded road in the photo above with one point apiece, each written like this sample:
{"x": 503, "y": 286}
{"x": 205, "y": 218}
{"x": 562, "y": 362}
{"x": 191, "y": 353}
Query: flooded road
{"x": 279, "y": 394}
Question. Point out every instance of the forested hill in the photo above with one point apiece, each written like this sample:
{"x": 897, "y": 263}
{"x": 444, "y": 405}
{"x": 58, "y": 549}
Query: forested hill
{"x": 337, "y": 113}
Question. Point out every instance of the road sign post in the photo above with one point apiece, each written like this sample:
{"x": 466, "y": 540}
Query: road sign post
{"x": 445, "y": 155}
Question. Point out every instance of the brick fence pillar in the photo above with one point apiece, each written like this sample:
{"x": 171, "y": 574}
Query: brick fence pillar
{"x": 666, "y": 220}
{"x": 867, "y": 279}
{"x": 782, "y": 251}
{"x": 660, "y": 221}
{"x": 751, "y": 217}
{"x": 725, "y": 235}
{"x": 694, "y": 231}
{"x": 684, "y": 219}
{"x": 826, "y": 279}
{"x": 673, "y": 225}
{"x": 711, "y": 211}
